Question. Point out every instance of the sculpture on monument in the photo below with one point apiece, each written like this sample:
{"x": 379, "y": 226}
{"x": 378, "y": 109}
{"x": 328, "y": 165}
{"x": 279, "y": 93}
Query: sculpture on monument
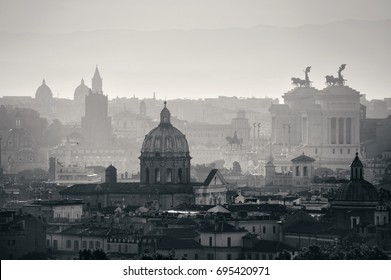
{"x": 234, "y": 141}
{"x": 336, "y": 81}
{"x": 303, "y": 83}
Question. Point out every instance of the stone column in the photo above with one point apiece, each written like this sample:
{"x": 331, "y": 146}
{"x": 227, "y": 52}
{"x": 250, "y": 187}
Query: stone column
{"x": 337, "y": 130}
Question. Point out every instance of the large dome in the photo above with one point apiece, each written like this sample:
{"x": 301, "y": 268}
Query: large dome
{"x": 165, "y": 139}
{"x": 43, "y": 93}
{"x": 81, "y": 92}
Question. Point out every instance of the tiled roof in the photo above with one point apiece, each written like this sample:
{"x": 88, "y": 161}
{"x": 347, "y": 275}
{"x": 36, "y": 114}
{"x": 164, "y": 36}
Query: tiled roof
{"x": 303, "y": 158}
{"x": 220, "y": 227}
{"x": 310, "y": 227}
{"x": 126, "y": 188}
{"x": 168, "y": 243}
{"x": 269, "y": 246}
{"x": 180, "y": 233}
{"x": 256, "y": 208}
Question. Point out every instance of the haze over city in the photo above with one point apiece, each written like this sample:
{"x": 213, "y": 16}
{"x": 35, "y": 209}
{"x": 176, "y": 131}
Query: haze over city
{"x": 192, "y": 49}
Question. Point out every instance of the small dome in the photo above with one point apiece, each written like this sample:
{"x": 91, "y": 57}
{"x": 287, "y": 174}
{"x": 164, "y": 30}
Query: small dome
{"x": 81, "y": 92}
{"x": 43, "y": 93}
{"x": 165, "y": 138}
{"x": 357, "y": 190}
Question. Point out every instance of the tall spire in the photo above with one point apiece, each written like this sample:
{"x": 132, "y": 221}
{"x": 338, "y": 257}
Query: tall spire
{"x": 97, "y": 81}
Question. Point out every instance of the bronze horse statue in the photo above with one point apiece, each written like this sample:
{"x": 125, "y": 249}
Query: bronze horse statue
{"x": 303, "y": 83}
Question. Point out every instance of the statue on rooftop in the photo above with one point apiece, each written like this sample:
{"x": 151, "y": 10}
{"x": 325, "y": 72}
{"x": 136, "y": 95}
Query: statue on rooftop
{"x": 303, "y": 83}
{"x": 336, "y": 81}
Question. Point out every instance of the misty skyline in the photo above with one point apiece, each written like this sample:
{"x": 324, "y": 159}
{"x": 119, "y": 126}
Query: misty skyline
{"x": 192, "y": 49}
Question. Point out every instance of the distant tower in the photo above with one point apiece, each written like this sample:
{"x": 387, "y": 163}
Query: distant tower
{"x": 270, "y": 170}
{"x": 111, "y": 175}
{"x": 97, "y": 82}
{"x": 143, "y": 108}
{"x": 96, "y": 124}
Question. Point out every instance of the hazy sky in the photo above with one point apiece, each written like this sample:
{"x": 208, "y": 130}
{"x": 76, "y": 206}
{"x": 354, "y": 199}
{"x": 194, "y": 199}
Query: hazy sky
{"x": 177, "y": 64}
{"x": 76, "y": 15}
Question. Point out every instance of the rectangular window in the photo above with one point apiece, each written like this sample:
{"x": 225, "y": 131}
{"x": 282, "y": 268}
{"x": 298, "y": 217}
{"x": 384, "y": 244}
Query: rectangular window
{"x": 119, "y": 248}
{"x": 274, "y": 229}
{"x": 55, "y": 244}
{"x": 97, "y": 244}
{"x": 340, "y": 151}
{"x": 210, "y": 241}
{"x": 108, "y": 247}
{"x": 126, "y": 248}
{"x": 47, "y": 243}
{"x": 264, "y": 229}
{"x": 333, "y": 151}
{"x": 91, "y": 245}
{"x": 316, "y": 151}
{"x": 253, "y": 229}
{"x": 68, "y": 244}
{"x": 84, "y": 244}
{"x": 305, "y": 171}
{"x": 228, "y": 241}
{"x": 76, "y": 245}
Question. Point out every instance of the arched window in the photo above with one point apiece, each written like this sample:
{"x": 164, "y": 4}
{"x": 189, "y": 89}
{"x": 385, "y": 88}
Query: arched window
{"x": 180, "y": 175}
{"x": 305, "y": 171}
{"x": 147, "y": 175}
{"x": 169, "y": 175}
{"x": 157, "y": 175}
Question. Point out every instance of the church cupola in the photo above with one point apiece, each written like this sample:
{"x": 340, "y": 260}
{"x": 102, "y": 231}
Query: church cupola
{"x": 165, "y": 115}
{"x": 356, "y": 169}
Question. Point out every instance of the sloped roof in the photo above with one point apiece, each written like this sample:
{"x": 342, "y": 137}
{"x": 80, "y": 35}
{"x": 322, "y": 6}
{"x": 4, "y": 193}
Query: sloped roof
{"x": 127, "y": 188}
{"x": 168, "y": 243}
{"x": 212, "y": 174}
{"x": 303, "y": 158}
{"x": 270, "y": 246}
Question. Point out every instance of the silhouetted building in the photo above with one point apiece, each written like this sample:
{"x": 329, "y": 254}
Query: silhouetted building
{"x": 20, "y": 235}
{"x": 96, "y": 125}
